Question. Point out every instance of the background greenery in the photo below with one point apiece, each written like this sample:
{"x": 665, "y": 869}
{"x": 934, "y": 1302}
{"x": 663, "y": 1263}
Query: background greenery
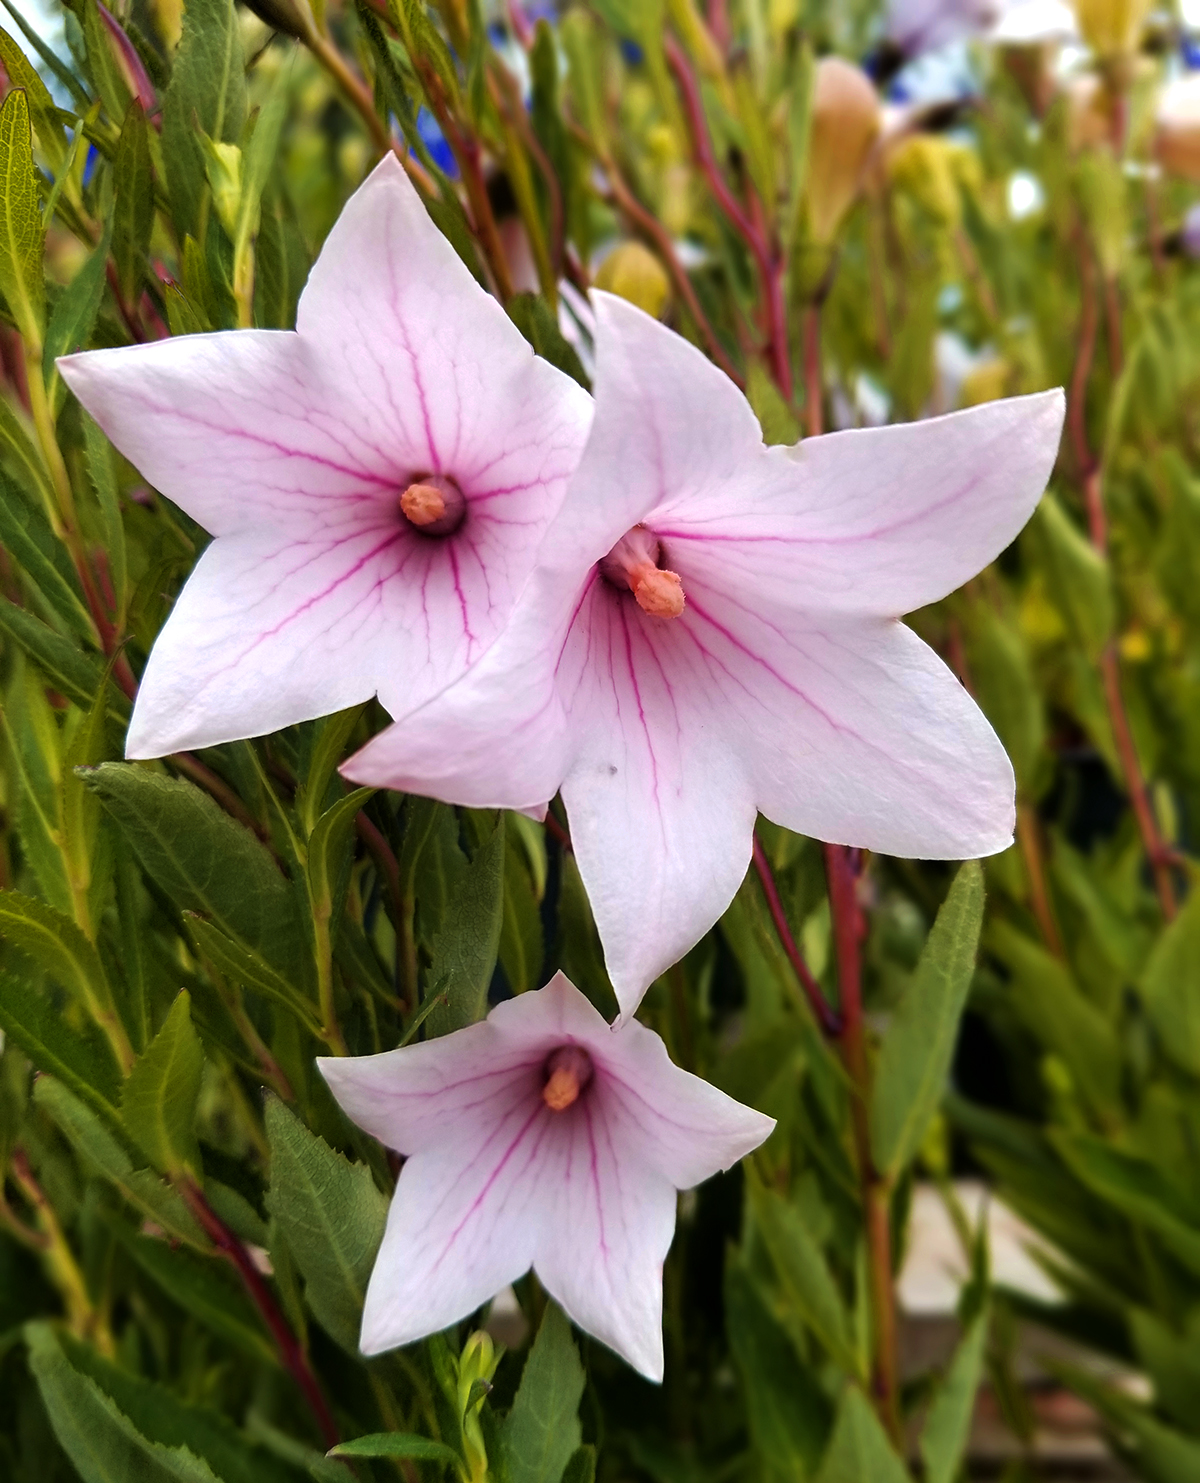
{"x": 187, "y": 1221}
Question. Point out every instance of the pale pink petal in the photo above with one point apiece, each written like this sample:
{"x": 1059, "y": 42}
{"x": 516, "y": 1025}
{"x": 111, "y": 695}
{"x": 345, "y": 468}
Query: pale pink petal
{"x": 874, "y": 520}
{"x": 605, "y": 1233}
{"x": 465, "y": 1220}
{"x": 684, "y": 1127}
{"x": 660, "y": 805}
{"x": 428, "y": 357}
{"x": 240, "y": 429}
{"x": 855, "y": 732}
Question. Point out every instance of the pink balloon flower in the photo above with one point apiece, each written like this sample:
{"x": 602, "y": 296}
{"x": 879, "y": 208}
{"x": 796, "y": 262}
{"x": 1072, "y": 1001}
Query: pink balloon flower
{"x": 711, "y": 631}
{"x": 377, "y": 481}
{"x": 538, "y": 1138}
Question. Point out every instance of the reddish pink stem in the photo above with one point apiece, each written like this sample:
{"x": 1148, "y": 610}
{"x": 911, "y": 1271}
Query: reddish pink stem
{"x": 827, "y": 1018}
{"x": 770, "y": 268}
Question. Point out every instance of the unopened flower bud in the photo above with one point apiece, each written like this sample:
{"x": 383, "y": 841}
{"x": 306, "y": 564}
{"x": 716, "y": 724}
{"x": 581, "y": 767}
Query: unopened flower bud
{"x": 1112, "y": 28}
{"x": 223, "y": 164}
{"x": 845, "y": 125}
{"x": 634, "y": 273}
{"x": 281, "y": 15}
{"x": 130, "y": 65}
{"x": 1177, "y": 135}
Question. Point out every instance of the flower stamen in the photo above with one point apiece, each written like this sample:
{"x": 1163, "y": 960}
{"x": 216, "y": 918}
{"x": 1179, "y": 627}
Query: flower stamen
{"x": 568, "y": 1070}
{"x": 634, "y": 563}
{"x": 433, "y": 504}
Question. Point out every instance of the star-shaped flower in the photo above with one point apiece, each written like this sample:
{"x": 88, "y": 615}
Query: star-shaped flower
{"x": 711, "y": 631}
{"x": 377, "y": 482}
{"x": 538, "y": 1138}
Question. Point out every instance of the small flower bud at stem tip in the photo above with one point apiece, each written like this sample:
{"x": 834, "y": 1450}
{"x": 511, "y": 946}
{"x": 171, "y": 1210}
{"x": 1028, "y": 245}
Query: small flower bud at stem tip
{"x": 423, "y": 504}
{"x": 568, "y": 1071}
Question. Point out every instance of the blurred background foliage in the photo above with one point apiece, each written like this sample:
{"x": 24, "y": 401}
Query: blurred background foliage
{"x": 186, "y": 1220}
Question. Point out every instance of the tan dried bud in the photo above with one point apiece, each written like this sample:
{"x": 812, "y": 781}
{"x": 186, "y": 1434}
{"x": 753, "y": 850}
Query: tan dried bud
{"x": 1177, "y": 131}
{"x": 1089, "y": 105}
{"x": 634, "y": 273}
{"x": 845, "y": 125}
{"x": 1112, "y": 28}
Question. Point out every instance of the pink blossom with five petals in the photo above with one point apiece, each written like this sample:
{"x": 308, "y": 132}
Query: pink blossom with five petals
{"x": 711, "y": 631}
{"x": 376, "y": 481}
{"x": 539, "y": 1138}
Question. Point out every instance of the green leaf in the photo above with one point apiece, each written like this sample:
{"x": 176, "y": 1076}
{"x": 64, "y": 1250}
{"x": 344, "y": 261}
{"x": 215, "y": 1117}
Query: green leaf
{"x": 248, "y": 968}
{"x": 103, "y": 1444}
{"x": 203, "y": 1287}
{"x": 948, "y": 1422}
{"x": 207, "y": 91}
{"x": 535, "y": 319}
{"x": 397, "y": 1444}
{"x": 859, "y": 1449}
{"x": 74, "y": 316}
{"x": 19, "y": 454}
{"x": 103, "y": 72}
{"x": 1136, "y": 1188}
{"x": 158, "y": 1107}
{"x": 1007, "y": 691}
{"x": 203, "y": 860}
{"x": 82, "y": 1058}
{"x": 163, "y": 1417}
{"x": 107, "y": 1156}
{"x": 35, "y": 748}
{"x": 789, "y": 1416}
{"x": 332, "y": 734}
{"x": 1078, "y": 577}
{"x": 21, "y": 234}
{"x": 68, "y": 669}
{"x": 56, "y": 944}
{"x": 465, "y": 950}
{"x": 330, "y": 853}
{"x": 1170, "y": 987}
{"x": 522, "y": 948}
{"x": 26, "y": 532}
{"x": 803, "y": 1274}
{"x": 541, "y": 1432}
{"x": 133, "y": 212}
{"x": 104, "y": 482}
{"x": 581, "y": 1466}
{"x": 917, "y": 1048}
{"x": 1161, "y": 1454}
{"x": 24, "y": 75}
{"x": 775, "y": 417}
{"x": 332, "y": 1218}
{"x": 1171, "y": 1361}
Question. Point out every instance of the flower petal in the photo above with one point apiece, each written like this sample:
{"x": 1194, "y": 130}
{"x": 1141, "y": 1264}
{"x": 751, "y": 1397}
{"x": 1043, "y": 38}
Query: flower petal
{"x": 605, "y": 1233}
{"x": 429, "y": 355}
{"x": 682, "y": 1125}
{"x": 660, "y": 805}
{"x": 855, "y": 731}
{"x": 877, "y": 520}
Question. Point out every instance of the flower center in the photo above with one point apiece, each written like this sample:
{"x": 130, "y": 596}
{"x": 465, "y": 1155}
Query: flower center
{"x": 567, "y": 1071}
{"x": 433, "y": 504}
{"x": 634, "y": 563}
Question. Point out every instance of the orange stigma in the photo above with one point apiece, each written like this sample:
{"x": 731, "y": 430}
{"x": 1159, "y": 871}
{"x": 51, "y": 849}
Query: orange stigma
{"x": 423, "y": 504}
{"x": 568, "y": 1070}
{"x": 634, "y": 562}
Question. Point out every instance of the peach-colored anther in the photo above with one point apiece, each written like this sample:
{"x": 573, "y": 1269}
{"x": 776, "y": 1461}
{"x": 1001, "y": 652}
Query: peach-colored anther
{"x": 433, "y": 504}
{"x": 634, "y": 562}
{"x": 568, "y": 1071}
{"x": 423, "y": 504}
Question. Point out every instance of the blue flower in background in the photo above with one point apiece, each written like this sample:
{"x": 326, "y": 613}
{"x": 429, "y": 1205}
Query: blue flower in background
{"x": 435, "y": 142}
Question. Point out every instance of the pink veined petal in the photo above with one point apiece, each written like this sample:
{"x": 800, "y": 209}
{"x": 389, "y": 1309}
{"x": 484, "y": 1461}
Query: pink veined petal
{"x": 875, "y": 520}
{"x": 429, "y": 356}
{"x": 236, "y": 428}
{"x": 855, "y": 732}
{"x": 684, "y": 1127}
{"x": 464, "y": 1222}
{"x": 605, "y": 1233}
{"x": 499, "y": 741}
{"x": 660, "y": 803}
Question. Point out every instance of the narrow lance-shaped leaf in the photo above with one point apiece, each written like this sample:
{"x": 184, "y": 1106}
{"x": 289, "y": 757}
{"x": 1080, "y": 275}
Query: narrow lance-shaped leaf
{"x": 26, "y": 533}
{"x": 73, "y": 320}
{"x": 159, "y": 1103}
{"x": 207, "y": 91}
{"x": 541, "y": 1432}
{"x": 102, "y": 1444}
{"x": 859, "y": 1449}
{"x": 21, "y": 234}
{"x": 22, "y": 74}
{"x": 948, "y": 1422}
{"x": 133, "y": 213}
{"x": 82, "y": 1059}
{"x": 332, "y": 1218}
{"x": 919, "y": 1043}
{"x": 465, "y": 950}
